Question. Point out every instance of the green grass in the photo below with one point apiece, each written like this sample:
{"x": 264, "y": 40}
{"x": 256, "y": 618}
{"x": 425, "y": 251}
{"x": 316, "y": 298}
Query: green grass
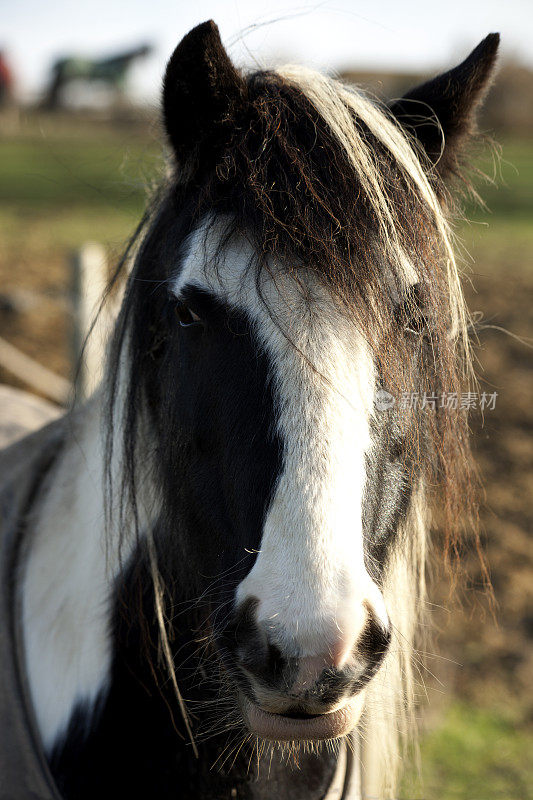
{"x": 58, "y": 191}
{"x": 500, "y": 236}
{"x": 474, "y": 754}
{"x": 45, "y": 171}
{"x": 510, "y": 196}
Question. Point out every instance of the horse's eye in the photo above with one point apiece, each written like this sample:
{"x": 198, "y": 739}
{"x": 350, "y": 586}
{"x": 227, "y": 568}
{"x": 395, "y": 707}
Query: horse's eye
{"x": 411, "y": 312}
{"x": 187, "y": 317}
{"x": 417, "y": 324}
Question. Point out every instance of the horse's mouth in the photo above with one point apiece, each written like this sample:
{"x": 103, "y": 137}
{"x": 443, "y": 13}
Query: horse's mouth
{"x": 283, "y": 728}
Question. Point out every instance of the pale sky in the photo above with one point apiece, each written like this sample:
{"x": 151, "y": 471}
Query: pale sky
{"x": 398, "y": 34}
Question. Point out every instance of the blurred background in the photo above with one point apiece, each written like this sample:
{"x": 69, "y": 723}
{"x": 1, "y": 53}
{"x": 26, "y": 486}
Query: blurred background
{"x": 80, "y": 146}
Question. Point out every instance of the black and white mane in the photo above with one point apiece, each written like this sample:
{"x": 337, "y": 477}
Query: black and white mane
{"x": 227, "y": 566}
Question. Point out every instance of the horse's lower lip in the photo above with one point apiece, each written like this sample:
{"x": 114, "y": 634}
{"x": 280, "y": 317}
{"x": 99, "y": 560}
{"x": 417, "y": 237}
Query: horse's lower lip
{"x": 277, "y": 727}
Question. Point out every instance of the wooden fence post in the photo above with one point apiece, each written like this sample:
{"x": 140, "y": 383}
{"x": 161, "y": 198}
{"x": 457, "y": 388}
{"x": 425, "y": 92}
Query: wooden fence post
{"x": 89, "y": 278}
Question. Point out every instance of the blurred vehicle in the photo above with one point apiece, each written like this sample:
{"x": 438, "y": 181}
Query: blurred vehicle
{"x": 6, "y": 81}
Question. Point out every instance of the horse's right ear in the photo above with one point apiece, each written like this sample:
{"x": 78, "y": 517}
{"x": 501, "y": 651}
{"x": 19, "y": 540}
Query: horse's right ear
{"x": 441, "y": 114}
{"x": 202, "y": 93}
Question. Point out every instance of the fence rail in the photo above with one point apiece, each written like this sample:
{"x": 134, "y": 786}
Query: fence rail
{"x": 89, "y": 274}
{"x": 34, "y": 374}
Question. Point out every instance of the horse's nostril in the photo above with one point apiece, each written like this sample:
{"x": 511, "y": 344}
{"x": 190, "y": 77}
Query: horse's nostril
{"x": 273, "y": 668}
{"x": 262, "y": 660}
{"x": 374, "y": 639}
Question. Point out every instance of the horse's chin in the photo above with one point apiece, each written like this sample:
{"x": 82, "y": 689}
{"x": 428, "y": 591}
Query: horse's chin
{"x": 319, "y": 727}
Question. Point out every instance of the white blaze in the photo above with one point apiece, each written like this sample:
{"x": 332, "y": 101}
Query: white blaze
{"x": 309, "y": 576}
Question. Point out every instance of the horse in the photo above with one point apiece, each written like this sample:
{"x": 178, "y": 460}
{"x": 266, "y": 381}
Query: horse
{"x": 111, "y": 71}
{"x": 214, "y": 568}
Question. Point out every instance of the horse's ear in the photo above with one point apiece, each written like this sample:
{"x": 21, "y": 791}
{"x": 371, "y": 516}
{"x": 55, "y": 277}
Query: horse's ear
{"x": 202, "y": 92}
{"x": 441, "y": 114}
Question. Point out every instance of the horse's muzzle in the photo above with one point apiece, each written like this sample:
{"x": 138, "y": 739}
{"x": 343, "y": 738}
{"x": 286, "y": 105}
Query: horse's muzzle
{"x": 292, "y": 697}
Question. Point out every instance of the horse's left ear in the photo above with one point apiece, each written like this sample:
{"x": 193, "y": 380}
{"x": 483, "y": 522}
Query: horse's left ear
{"x": 441, "y": 114}
{"x": 202, "y": 93}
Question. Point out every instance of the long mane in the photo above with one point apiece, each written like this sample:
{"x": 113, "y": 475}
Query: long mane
{"x": 320, "y": 178}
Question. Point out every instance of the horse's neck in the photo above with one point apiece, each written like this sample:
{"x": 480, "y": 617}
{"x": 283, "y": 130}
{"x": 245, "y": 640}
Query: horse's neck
{"x": 66, "y": 584}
